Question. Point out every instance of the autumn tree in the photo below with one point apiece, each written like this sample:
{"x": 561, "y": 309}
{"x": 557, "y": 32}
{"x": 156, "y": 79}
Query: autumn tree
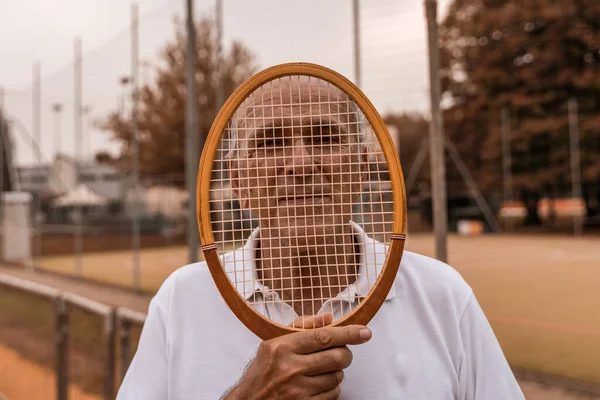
{"x": 529, "y": 56}
{"x": 162, "y": 103}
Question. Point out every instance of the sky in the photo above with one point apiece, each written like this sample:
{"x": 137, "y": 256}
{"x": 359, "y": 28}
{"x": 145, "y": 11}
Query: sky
{"x": 392, "y": 34}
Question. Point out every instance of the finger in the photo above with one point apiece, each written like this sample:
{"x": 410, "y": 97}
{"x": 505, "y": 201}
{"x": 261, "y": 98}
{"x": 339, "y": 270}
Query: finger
{"x": 324, "y": 338}
{"x": 327, "y": 361}
{"x": 324, "y": 382}
{"x": 313, "y": 321}
{"x": 332, "y": 394}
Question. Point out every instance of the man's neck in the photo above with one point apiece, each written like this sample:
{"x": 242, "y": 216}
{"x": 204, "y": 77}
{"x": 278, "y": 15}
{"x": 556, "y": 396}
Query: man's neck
{"x": 306, "y": 276}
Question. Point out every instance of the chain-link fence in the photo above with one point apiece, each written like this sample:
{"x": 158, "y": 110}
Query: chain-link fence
{"x": 98, "y": 144}
{"x": 92, "y": 215}
{"x": 520, "y": 153}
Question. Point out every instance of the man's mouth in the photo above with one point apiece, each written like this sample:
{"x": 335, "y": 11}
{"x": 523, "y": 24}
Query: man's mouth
{"x": 302, "y": 200}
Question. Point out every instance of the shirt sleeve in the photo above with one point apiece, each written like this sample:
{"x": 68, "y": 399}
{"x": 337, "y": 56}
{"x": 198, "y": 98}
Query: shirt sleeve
{"x": 484, "y": 372}
{"x": 147, "y": 375}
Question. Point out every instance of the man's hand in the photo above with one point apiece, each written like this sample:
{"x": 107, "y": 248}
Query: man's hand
{"x": 302, "y": 365}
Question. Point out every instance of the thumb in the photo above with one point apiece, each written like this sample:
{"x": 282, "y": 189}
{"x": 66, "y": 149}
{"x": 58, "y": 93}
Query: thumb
{"x": 312, "y": 321}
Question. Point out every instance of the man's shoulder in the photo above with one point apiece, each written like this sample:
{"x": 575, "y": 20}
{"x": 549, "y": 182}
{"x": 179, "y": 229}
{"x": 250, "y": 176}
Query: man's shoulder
{"x": 191, "y": 280}
{"x": 432, "y": 281}
{"x": 429, "y": 268}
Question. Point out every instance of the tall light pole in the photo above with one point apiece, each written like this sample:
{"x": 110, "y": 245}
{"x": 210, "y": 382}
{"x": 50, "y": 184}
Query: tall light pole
{"x": 192, "y": 145}
{"x": 123, "y": 81}
{"x": 575, "y": 159}
{"x": 356, "y": 32}
{"x": 37, "y": 139}
{"x": 507, "y": 163}
{"x": 57, "y": 109}
{"x": 436, "y": 137}
{"x": 78, "y": 125}
{"x": 85, "y": 114}
{"x": 136, "y": 278}
{"x": 218, "y": 55}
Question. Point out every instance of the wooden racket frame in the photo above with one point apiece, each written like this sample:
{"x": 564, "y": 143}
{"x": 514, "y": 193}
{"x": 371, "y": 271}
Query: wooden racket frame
{"x": 362, "y": 314}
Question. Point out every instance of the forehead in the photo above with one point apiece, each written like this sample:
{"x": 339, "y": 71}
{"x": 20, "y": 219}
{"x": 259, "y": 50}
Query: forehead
{"x": 291, "y": 100}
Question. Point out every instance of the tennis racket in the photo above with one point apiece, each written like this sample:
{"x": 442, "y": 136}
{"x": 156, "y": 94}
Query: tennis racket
{"x": 301, "y": 203}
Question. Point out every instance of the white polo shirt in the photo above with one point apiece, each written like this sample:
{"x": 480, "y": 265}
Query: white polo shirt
{"x": 431, "y": 341}
{"x": 240, "y": 266}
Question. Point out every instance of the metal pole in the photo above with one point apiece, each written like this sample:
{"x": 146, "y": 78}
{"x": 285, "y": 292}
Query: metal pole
{"x": 507, "y": 162}
{"x": 575, "y": 162}
{"x": 415, "y": 168}
{"x": 479, "y": 199}
{"x": 356, "y": 31}
{"x": 61, "y": 359}
{"x": 219, "y": 39}
{"x": 436, "y": 137}
{"x": 57, "y": 108}
{"x": 36, "y": 107}
{"x": 78, "y": 109}
{"x": 123, "y": 81}
{"x": 110, "y": 342}
{"x": 3, "y": 136}
{"x": 192, "y": 145}
{"x": 86, "y": 132}
{"x": 125, "y": 345}
{"x": 37, "y": 138}
{"x": 135, "y": 148}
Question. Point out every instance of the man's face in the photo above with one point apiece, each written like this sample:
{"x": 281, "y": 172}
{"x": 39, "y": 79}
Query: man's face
{"x": 298, "y": 165}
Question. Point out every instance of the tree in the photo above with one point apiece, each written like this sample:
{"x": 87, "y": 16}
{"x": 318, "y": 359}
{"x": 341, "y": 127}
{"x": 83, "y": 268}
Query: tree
{"x": 530, "y": 56}
{"x": 161, "y": 114}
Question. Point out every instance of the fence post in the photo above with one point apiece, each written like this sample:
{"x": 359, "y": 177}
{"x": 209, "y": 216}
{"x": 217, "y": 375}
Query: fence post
{"x": 125, "y": 339}
{"x": 110, "y": 341}
{"x": 61, "y": 314}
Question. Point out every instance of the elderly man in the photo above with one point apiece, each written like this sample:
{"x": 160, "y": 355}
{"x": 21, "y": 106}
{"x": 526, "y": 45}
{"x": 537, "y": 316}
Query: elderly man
{"x": 299, "y": 169}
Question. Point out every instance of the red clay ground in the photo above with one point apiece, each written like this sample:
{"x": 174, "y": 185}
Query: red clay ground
{"x": 540, "y": 293}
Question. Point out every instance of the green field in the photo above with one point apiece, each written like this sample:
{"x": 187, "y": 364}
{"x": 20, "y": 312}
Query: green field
{"x": 541, "y": 293}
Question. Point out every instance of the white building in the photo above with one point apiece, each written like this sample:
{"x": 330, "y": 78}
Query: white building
{"x": 66, "y": 178}
{"x": 65, "y": 174}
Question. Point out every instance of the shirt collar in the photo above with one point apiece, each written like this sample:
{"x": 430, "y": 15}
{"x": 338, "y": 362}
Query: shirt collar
{"x": 241, "y": 268}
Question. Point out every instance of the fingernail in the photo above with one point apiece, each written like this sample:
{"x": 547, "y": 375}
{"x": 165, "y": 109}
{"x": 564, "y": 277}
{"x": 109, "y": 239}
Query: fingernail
{"x": 365, "y": 333}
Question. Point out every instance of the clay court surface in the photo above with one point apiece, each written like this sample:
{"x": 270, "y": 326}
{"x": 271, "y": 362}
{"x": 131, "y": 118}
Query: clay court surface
{"x": 23, "y": 379}
{"x": 541, "y": 293}
{"x": 39, "y": 383}
{"x": 28, "y": 381}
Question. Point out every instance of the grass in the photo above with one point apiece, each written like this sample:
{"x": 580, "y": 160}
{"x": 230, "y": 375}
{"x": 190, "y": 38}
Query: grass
{"x": 540, "y": 293}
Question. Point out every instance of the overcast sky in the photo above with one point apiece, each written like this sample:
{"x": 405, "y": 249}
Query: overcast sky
{"x": 393, "y": 41}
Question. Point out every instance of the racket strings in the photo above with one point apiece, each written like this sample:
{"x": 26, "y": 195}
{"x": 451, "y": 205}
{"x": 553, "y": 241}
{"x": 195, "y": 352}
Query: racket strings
{"x": 300, "y": 169}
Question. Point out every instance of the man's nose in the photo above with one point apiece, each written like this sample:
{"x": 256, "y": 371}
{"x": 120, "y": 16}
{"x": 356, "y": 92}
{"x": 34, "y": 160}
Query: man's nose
{"x": 301, "y": 161}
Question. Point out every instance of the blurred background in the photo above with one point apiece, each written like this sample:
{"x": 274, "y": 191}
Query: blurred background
{"x": 499, "y": 98}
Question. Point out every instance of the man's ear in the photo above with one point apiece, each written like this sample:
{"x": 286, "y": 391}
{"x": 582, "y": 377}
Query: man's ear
{"x": 239, "y": 192}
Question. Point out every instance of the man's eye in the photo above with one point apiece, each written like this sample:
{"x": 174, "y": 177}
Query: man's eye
{"x": 270, "y": 143}
{"x": 327, "y": 139}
